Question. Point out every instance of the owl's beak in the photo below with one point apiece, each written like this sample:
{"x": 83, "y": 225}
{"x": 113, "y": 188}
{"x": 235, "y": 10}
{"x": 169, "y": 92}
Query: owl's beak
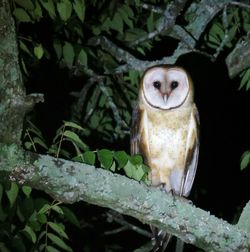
{"x": 165, "y": 98}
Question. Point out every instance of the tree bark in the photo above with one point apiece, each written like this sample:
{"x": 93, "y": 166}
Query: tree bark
{"x": 12, "y": 93}
{"x": 70, "y": 182}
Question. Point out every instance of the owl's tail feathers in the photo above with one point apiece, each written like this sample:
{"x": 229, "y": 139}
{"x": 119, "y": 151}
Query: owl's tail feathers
{"x": 161, "y": 239}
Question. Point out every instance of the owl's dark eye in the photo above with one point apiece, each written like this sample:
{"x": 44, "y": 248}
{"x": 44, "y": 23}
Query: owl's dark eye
{"x": 174, "y": 84}
{"x": 157, "y": 84}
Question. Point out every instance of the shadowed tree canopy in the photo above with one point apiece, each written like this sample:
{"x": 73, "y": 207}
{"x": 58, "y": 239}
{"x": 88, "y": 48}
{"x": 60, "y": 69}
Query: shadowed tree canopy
{"x": 69, "y": 75}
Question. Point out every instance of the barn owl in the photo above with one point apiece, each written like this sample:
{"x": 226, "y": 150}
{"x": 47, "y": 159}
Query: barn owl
{"x": 165, "y": 129}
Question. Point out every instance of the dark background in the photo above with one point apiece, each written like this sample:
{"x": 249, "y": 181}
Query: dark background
{"x": 220, "y": 187}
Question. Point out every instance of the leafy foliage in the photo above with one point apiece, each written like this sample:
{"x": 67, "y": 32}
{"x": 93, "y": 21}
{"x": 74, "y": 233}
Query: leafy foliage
{"x": 245, "y": 160}
{"x": 225, "y": 32}
{"x": 114, "y": 161}
{"x": 101, "y": 112}
{"x": 31, "y": 222}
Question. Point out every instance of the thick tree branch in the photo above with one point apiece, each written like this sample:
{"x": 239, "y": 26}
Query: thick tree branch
{"x": 244, "y": 221}
{"x": 13, "y": 101}
{"x": 132, "y": 62}
{"x": 203, "y": 12}
{"x": 166, "y": 22}
{"x": 239, "y": 58}
{"x": 12, "y": 93}
{"x": 70, "y": 182}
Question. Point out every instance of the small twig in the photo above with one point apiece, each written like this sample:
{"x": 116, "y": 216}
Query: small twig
{"x": 107, "y": 45}
{"x": 145, "y": 248}
{"x": 226, "y": 37}
{"x": 166, "y": 22}
{"x": 211, "y": 57}
{"x": 31, "y": 140}
{"x": 95, "y": 101}
{"x": 113, "y": 216}
{"x": 116, "y": 231}
{"x": 241, "y": 5}
{"x": 120, "y": 122}
{"x": 151, "y": 7}
{"x": 183, "y": 35}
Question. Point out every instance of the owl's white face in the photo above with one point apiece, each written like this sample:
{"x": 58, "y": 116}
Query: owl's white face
{"x": 165, "y": 87}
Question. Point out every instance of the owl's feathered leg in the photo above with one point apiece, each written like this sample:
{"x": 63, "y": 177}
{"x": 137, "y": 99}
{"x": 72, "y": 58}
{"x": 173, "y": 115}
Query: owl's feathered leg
{"x": 161, "y": 238}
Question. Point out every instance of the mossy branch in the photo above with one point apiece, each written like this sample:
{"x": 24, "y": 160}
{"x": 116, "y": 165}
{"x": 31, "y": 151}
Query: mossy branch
{"x": 239, "y": 59}
{"x": 70, "y": 182}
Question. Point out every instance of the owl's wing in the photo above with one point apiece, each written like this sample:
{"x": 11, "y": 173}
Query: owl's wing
{"x": 135, "y": 131}
{"x": 192, "y": 153}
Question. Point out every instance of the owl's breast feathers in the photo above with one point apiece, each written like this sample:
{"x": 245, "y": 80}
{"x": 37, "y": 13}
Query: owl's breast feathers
{"x": 168, "y": 141}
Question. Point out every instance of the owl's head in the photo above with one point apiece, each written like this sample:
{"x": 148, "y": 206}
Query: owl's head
{"x": 166, "y": 87}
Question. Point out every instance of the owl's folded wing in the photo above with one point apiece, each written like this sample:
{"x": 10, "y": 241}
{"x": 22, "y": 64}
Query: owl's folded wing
{"x": 192, "y": 153}
{"x": 135, "y": 131}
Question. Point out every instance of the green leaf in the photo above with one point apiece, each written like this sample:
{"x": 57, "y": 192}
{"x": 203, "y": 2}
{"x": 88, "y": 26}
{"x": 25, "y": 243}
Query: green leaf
{"x": 38, "y": 51}
{"x": 59, "y": 242}
{"x": 25, "y": 48}
{"x": 133, "y": 77}
{"x": 128, "y": 168}
{"x": 83, "y": 58}
{"x": 78, "y": 158}
{"x": 39, "y": 141}
{"x": 106, "y": 24}
{"x": 12, "y": 193}
{"x": 48, "y": 5}
{"x": 45, "y": 208}
{"x": 150, "y": 22}
{"x": 125, "y": 16}
{"x": 89, "y": 157}
{"x": 57, "y": 228}
{"x": 105, "y": 157}
{"x": 112, "y": 168}
{"x": 30, "y": 233}
{"x": 121, "y": 157}
{"x": 58, "y": 49}
{"x": 42, "y": 218}
{"x": 27, "y": 190}
{"x": 36, "y": 226}
{"x": 134, "y": 34}
{"x": 64, "y": 8}
{"x": 73, "y": 125}
{"x": 137, "y": 2}
{"x": 37, "y": 12}
{"x": 245, "y": 78}
{"x": 68, "y": 54}
{"x": 117, "y": 23}
{"x": 21, "y": 15}
{"x": 232, "y": 32}
{"x": 139, "y": 172}
{"x": 70, "y": 216}
{"x": 57, "y": 209}
{"x": 26, "y": 4}
{"x": 79, "y": 8}
{"x": 136, "y": 159}
{"x": 24, "y": 67}
{"x": 51, "y": 249}
{"x": 245, "y": 160}
{"x": 141, "y": 50}
{"x": 128, "y": 10}
{"x": 72, "y": 136}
